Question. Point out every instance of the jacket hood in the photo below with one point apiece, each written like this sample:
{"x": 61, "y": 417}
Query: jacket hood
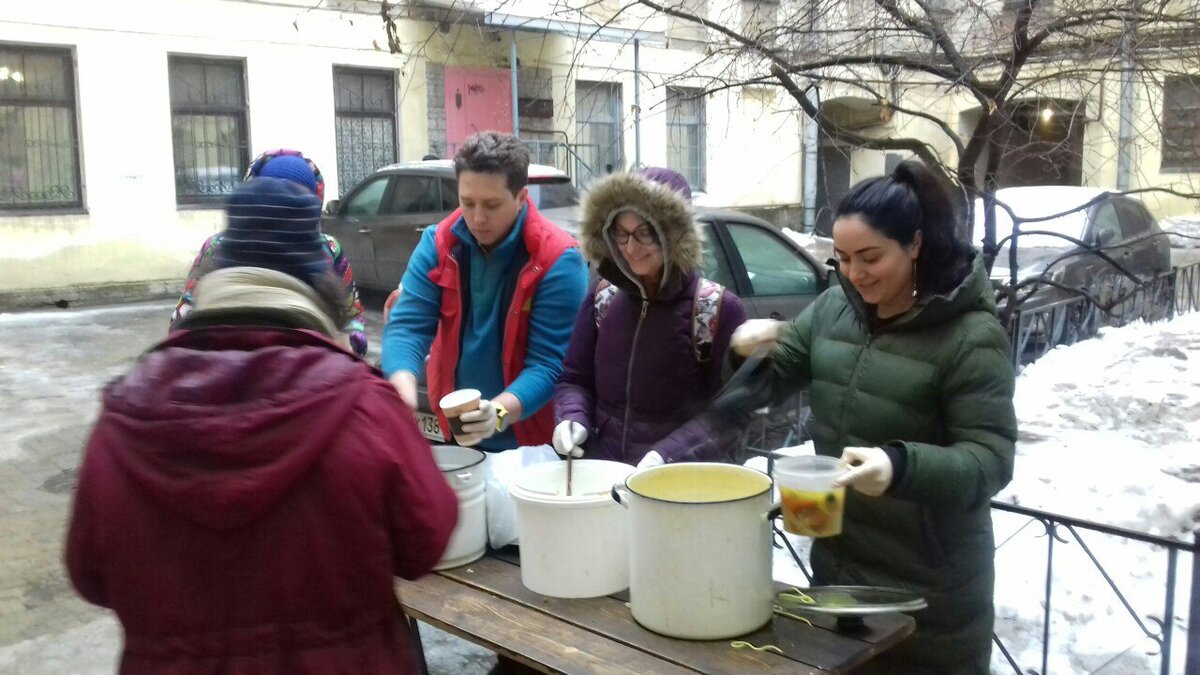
{"x": 973, "y": 294}
{"x": 659, "y": 205}
{"x": 217, "y": 425}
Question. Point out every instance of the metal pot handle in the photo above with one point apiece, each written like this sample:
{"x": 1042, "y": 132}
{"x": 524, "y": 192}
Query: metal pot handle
{"x": 775, "y": 512}
{"x": 616, "y": 495}
{"x": 463, "y": 477}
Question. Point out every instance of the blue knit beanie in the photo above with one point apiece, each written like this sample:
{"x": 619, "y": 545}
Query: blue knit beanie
{"x": 293, "y": 168}
{"x": 274, "y": 223}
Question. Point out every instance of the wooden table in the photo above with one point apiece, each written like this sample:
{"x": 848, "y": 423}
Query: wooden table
{"x": 485, "y": 603}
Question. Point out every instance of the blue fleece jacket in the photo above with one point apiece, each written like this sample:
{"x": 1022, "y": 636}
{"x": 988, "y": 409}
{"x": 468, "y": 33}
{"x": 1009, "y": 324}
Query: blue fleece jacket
{"x": 492, "y": 279}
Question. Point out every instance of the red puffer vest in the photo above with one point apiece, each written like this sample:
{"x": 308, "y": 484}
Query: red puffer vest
{"x": 545, "y": 242}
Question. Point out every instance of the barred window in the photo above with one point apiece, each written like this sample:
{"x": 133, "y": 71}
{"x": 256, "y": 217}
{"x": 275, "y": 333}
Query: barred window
{"x": 208, "y": 127}
{"x": 1181, "y": 123}
{"x": 759, "y": 17}
{"x": 39, "y": 143}
{"x": 364, "y": 105}
{"x": 685, "y": 134}
{"x": 598, "y": 122}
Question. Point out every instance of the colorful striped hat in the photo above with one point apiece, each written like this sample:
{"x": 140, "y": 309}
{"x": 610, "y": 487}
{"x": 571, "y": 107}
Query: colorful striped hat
{"x": 274, "y": 223}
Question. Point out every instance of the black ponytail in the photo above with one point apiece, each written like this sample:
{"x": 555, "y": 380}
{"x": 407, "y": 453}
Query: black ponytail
{"x": 908, "y": 201}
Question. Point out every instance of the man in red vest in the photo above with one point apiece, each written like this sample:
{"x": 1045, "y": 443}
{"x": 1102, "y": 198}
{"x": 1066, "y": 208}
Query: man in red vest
{"x": 491, "y": 295}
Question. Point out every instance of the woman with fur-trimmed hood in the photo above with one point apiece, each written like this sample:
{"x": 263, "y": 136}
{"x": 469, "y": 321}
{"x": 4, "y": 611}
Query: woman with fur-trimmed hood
{"x": 649, "y": 342}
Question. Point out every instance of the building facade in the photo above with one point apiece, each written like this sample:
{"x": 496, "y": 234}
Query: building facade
{"x": 124, "y": 124}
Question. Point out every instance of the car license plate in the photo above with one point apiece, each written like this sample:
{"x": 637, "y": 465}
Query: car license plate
{"x": 428, "y": 424}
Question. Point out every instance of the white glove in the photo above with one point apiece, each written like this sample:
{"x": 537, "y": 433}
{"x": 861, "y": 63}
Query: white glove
{"x": 567, "y": 437}
{"x": 652, "y": 459}
{"x": 869, "y": 470}
{"x": 477, "y": 424}
{"x": 756, "y": 335}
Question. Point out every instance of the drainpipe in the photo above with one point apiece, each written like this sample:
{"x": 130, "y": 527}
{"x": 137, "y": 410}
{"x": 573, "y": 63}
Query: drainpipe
{"x": 1125, "y": 108}
{"x": 512, "y": 67}
{"x": 812, "y": 139}
{"x": 637, "y": 104}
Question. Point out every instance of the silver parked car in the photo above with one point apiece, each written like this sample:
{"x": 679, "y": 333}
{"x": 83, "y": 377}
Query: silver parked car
{"x": 380, "y": 221}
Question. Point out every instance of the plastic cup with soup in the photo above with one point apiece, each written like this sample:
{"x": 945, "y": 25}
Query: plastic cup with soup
{"x": 811, "y": 505}
{"x": 455, "y": 404}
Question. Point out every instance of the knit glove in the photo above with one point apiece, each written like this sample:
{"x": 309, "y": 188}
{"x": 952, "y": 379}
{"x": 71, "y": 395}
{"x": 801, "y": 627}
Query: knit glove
{"x": 567, "y": 438}
{"x": 756, "y": 335}
{"x": 651, "y": 460}
{"x": 477, "y": 424}
{"x": 869, "y": 471}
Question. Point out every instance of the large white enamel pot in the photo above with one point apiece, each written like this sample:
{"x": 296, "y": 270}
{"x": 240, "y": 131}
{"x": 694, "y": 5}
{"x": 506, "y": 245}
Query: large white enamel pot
{"x": 463, "y": 469}
{"x": 700, "y": 549}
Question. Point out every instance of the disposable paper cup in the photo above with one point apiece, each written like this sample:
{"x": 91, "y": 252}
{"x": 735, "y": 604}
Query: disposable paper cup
{"x": 456, "y": 403}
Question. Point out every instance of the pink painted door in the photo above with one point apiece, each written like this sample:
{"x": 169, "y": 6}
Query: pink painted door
{"x": 477, "y": 99}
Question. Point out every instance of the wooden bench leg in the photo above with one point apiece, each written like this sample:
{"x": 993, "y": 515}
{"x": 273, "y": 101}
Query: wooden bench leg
{"x": 415, "y": 632}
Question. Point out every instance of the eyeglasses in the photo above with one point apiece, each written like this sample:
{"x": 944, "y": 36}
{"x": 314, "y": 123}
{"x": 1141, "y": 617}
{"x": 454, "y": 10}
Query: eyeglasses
{"x": 644, "y": 235}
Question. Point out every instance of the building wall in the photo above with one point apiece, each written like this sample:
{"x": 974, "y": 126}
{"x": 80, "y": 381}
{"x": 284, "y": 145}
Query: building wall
{"x": 130, "y": 229}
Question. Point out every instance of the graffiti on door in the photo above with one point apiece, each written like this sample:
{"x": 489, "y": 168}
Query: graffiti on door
{"x": 477, "y": 99}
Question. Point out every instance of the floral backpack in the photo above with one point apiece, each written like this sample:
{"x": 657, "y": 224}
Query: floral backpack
{"x": 706, "y": 313}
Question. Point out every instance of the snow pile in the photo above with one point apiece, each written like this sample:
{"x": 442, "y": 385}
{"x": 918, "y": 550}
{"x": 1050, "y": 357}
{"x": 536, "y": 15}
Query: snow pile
{"x": 1189, "y": 226}
{"x": 1108, "y": 431}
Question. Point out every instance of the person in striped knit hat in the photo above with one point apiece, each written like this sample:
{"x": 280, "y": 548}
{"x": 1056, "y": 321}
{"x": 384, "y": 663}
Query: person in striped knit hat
{"x": 288, "y": 165}
{"x": 251, "y": 488}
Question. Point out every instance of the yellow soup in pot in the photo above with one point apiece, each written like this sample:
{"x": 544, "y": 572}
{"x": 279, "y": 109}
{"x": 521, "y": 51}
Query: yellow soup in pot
{"x": 699, "y": 484}
{"x": 813, "y": 514}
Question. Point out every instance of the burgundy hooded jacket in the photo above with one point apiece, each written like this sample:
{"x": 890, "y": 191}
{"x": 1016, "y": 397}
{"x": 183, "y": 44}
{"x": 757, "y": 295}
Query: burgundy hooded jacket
{"x": 245, "y": 500}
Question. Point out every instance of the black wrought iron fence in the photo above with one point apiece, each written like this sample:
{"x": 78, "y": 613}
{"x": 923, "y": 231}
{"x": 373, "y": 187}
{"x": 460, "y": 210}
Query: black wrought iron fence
{"x": 1160, "y": 630}
{"x": 1034, "y": 332}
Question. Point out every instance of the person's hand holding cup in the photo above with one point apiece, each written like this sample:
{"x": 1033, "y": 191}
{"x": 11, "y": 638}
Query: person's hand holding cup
{"x": 480, "y": 421}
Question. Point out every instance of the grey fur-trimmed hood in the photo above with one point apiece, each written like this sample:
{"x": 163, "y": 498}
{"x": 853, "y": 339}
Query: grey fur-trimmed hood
{"x": 661, "y": 206}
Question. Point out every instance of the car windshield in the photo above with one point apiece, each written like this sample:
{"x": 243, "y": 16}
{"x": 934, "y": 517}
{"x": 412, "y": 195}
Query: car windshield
{"x": 553, "y": 195}
{"x": 1033, "y": 206}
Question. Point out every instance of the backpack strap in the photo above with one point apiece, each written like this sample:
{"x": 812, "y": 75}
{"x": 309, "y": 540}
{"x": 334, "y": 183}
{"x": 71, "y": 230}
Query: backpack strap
{"x": 605, "y": 292}
{"x": 706, "y": 315}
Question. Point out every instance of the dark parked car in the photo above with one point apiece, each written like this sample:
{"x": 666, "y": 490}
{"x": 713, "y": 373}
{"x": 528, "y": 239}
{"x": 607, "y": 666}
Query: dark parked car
{"x": 1119, "y": 225}
{"x": 381, "y": 220}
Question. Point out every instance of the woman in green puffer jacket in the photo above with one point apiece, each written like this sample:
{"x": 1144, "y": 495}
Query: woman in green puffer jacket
{"x": 911, "y": 384}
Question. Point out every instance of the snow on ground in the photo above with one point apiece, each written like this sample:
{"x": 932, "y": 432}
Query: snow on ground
{"x": 1108, "y": 434}
{"x": 1184, "y": 225}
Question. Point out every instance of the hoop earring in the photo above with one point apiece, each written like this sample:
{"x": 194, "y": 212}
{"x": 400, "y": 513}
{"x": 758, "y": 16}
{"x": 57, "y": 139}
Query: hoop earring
{"x": 914, "y": 279}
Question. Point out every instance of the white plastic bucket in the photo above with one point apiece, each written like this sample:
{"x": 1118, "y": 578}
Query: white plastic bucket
{"x": 577, "y": 546}
{"x": 700, "y": 551}
{"x": 464, "y": 471}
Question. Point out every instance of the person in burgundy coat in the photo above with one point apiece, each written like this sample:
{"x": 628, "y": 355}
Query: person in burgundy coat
{"x": 646, "y": 355}
{"x": 251, "y": 488}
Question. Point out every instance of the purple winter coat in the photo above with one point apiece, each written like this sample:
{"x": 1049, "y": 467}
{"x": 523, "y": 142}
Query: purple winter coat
{"x": 635, "y": 382}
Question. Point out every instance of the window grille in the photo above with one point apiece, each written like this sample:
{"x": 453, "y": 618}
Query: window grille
{"x": 208, "y": 127}
{"x": 39, "y": 144}
{"x": 685, "y": 134}
{"x": 365, "y": 121}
